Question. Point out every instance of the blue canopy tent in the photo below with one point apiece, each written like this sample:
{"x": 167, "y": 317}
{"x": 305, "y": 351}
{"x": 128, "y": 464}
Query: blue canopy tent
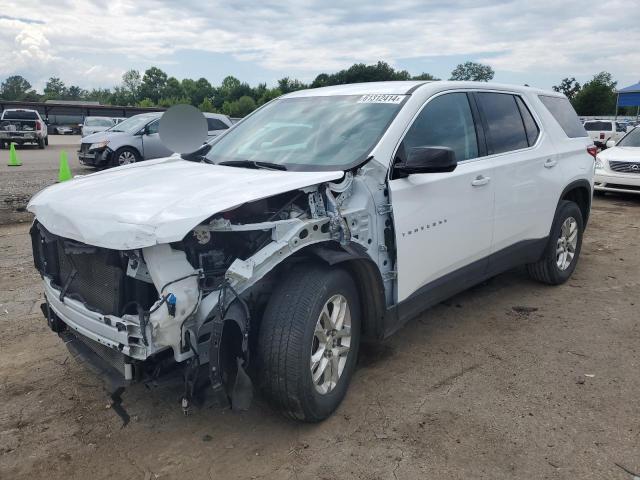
{"x": 629, "y": 97}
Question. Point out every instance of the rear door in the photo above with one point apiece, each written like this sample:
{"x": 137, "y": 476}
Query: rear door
{"x": 526, "y": 166}
{"x": 443, "y": 221}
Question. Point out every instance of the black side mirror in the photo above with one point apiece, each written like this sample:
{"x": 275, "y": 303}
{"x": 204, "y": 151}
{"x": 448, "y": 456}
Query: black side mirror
{"x": 427, "y": 160}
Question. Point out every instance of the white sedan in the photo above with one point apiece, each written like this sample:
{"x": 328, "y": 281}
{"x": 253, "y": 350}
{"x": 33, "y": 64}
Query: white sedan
{"x": 618, "y": 167}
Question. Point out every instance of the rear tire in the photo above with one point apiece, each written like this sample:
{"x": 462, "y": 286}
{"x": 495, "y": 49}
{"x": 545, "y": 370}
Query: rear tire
{"x": 46, "y": 140}
{"x": 306, "y": 359}
{"x": 41, "y": 143}
{"x": 563, "y": 248}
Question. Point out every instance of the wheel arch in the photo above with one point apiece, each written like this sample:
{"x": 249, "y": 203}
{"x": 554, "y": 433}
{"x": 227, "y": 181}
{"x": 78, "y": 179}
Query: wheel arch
{"x": 128, "y": 146}
{"x": 579, "y": 192}
{"x": 366, "y": 275}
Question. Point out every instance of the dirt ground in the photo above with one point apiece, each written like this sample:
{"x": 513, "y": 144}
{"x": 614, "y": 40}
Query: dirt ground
{"x": 511, "y": 379}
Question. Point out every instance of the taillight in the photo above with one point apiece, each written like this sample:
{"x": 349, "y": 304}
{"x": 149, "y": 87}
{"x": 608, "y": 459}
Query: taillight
{"x": 38, "y": 125}
{"x": 592, "y": 150}
{"x": 601, "y": 136}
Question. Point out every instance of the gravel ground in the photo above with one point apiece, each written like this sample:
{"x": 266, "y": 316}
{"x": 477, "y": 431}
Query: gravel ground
{"x": 511, "y": 379}
{"x": 39, "y": 169}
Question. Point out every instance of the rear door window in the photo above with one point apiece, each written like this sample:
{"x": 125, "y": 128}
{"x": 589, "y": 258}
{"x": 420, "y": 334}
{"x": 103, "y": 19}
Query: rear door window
{"x": 216, "y": 124}
{"x": 505, "y": 126}
{"x": 20, "y": 115}
{"x": 598, "y": 126}
{"x": 530, "y": 126}
{"x": 565, "y": 115}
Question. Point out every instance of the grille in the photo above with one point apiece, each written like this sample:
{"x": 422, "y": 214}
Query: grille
{"x": 100, "y": 281}
{"x": 623, "y": 187}
{"x": 99, "y": 278}
{"x": 625, "y": 167}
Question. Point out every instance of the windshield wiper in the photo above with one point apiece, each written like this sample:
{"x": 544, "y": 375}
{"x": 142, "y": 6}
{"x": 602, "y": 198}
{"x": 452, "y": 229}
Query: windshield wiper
{"x": 198, "y": 155}
{"x": 253, "y": 164}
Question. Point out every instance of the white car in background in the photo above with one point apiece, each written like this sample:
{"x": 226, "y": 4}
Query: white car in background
{"x": 93, "y": 125}
{"x": 601, "y": 131}
{"x": 618, "y": 167}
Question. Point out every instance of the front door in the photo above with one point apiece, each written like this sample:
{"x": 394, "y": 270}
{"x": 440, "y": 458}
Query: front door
{"x": 152, "y": 146}
{"x": 443, "y": 221}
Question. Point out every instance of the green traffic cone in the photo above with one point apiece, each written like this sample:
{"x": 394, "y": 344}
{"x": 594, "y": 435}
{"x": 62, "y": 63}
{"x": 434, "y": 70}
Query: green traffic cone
{"x": 14, "y": 161}
{"x": 64, "y": 173}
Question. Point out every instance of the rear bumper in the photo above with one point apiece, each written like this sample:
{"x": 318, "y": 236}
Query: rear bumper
{"x": 19, "y": 137}
{"x": 614, "y": 182}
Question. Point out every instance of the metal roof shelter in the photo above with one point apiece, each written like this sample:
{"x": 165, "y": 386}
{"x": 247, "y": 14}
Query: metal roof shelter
{"x": 83, "y": 109}
{"x": 629, "y": 97}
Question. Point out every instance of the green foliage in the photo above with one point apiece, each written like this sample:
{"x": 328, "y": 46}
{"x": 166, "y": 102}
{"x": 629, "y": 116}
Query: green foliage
{"x": 131, "y": 82}
{"x": 145, "y": 102}
{"x": 167, "y": 102}
{"x": 596, "y": 97}
{"x": 207, "y": 106}
{"x": 239, "y": 108}
{"x": 476, "y": 72}
{"x": 425, "y": 76}
{"x": 360, "y": 72}
{"x": 16, "y": 87}
{"x": 55, "y": 89}
{"x": 153, "y": 83}
{"x": 568, "y": 86}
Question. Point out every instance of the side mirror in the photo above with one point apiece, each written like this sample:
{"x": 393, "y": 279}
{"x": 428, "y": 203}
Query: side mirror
{"x": 611, "y": 143}
{"x": 427, "y": 160}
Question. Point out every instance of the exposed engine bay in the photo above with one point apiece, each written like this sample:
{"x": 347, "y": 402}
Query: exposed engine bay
{"x": 192, "y": 305}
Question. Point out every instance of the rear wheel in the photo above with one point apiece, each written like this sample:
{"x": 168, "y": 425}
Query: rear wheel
{"x": 46, "y": 140}
{"x": 41, "y": 143}
{"x": 125, "y": 156}
{"x": 563, "y": 249}
{"x": 308, "y": 342}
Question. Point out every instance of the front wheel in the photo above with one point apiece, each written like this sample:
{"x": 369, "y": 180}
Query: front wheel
{"x": 125, "y": 156}
{"x": 563, "y": 248}
{"x": 308, "y": 342}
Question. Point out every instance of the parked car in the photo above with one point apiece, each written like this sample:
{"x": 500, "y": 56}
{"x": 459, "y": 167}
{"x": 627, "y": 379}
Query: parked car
{"x": 601, "y": 131}
{"x": 63, "y": 130}
{"x": 22, "y": 126}
{"x": 135, "y": 139}
{"x": 93, "y": 125}
{"x": 618, "y": 167}
{"x": 326, "y": 217}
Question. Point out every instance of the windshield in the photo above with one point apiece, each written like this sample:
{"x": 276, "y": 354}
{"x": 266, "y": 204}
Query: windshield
{"x": 631, "y": 139}
{"x": 310, "y": 133}
{"x": 133, "y": 124}
{"x": 98, "y": 122}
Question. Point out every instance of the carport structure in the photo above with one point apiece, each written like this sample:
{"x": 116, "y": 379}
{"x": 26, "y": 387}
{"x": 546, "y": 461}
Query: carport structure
{"x": 629, "y": 97}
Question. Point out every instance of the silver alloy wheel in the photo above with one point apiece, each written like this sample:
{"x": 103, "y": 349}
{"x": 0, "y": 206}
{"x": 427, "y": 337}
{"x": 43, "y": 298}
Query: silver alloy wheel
{"x": 126, "y": 157}
{"x": 331, "y": 344}
{"x": 567, "y": 243}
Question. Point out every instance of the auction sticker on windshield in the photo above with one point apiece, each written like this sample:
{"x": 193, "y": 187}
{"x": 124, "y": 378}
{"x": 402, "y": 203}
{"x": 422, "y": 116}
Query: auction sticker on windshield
{"x": 381, "y": 98}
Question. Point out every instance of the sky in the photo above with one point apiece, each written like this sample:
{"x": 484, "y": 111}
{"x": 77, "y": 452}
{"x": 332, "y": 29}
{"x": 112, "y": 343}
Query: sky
{"x": 91, "y": 43}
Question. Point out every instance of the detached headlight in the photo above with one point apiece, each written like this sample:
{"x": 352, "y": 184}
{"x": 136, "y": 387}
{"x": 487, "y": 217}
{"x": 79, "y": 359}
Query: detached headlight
{"x": 599, "y": 164}
{"x": 99, "y": 145}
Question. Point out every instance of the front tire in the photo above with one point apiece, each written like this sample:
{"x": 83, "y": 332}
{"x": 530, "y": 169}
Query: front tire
{"x": 563, "y": 248}
{"x": 308, "y": 342}
{"x": 125, "y": 156}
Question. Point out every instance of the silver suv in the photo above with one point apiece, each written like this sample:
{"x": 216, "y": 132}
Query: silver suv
{"x": 135, "y": 139}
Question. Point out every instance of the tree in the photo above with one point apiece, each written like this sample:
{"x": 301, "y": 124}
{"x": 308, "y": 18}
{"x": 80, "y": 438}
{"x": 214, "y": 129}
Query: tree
{"x": 359, "y": 72}
{"x": 145, "y": 102}
{"x": 206, "y": 106}
{"x": 597, "y": 97}
{"x": 286, "y": 85}
{"x": 239, "y": 108}
{"x": 197, "y": 90}
{"x": 425, "y": 76}
{"x": 173, "y": 89}
{"x": 75, "y": 93}
{"x": 153, "y": 83}
{"x": 15, "y": 87}
{"x": 101, "y": 95}
{"x": 568, "y": 86}
{"x": 55, "y": 89}
{"x": 131, "y": 81}
{"x": 476, "y": 72}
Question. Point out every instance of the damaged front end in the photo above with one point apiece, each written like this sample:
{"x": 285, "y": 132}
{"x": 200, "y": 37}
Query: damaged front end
{"x": 192, "y": 306}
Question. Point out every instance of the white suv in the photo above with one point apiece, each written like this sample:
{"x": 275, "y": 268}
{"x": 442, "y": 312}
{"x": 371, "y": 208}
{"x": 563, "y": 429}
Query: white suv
{"x": 325, "y": 217}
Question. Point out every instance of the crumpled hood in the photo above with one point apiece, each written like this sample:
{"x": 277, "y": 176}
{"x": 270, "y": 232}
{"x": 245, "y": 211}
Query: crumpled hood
{"x": 157, "y": 201}
{"x": 101, "y": 136}
{"x": 624, "y": 154}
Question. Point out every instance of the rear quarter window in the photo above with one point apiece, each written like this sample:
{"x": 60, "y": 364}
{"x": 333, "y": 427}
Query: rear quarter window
{"x": 216, "y": 124}
{"x": 560, "y": 108}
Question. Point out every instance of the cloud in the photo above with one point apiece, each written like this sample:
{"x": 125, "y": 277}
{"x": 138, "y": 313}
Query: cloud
{"x": 82, "y": 41}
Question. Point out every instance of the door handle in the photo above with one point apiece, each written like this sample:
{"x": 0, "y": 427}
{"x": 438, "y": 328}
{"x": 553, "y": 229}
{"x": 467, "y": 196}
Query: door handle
{"x": 480, "y": 180}
{"x": 550, "y": 163}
